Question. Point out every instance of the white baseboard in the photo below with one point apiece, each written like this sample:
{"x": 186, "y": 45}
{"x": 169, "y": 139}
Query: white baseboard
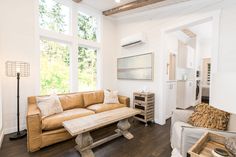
{"x": 1, "y": 137}
{"x": 13, "y": 129}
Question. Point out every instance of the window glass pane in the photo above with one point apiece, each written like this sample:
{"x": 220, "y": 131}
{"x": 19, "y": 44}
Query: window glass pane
{"x": 54, "y": 16}
{"x": 54, "y": 64}
{"x": 87, "y": 59}
{"x": 87, "y": 27}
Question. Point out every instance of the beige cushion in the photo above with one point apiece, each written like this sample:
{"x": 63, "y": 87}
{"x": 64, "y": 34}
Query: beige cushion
{"x": 91, "y": 98}
{"x": 104, "y": 107}
{"x": 71, "y": 101}
{"x": 49, "y": 105}
{"x": 110, "y": 97}
{"x": 55, "y": 121}
{"x": 209, "y": 117}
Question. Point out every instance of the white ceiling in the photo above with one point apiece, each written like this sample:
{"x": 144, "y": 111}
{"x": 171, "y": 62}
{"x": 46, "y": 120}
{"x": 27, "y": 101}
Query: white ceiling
{"x": 103, "y": 5}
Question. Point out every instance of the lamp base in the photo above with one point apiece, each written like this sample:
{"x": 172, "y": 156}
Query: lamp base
{"x": 18, "y": 135}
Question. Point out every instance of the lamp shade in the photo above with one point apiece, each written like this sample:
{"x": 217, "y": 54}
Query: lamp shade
{"x": 14, "y": 67}
{"x": 223, "y": 92}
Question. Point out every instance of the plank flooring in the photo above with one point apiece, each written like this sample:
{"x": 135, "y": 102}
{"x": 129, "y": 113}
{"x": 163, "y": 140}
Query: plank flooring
{"x": 151, "y": 141}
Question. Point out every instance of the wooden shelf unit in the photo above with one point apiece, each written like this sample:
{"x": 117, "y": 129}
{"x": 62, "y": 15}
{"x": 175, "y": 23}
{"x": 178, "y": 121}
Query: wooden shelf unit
{"x": 144, "y": 102}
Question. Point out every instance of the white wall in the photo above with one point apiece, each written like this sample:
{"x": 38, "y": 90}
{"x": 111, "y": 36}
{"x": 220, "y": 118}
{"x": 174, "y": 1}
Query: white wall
{"x": 109, "y": 41}
{"x": 227, "y": 55}
{"x": 1, "y": 118}
{"x": 17, "y": 43}
{"x": 152, "y": 22}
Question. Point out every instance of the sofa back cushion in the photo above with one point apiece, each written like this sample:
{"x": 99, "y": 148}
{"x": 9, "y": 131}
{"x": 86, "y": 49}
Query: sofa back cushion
{"x": 232, "y": 123}
{"x": 71, "y": 101}
{"x": 95, "y": 97}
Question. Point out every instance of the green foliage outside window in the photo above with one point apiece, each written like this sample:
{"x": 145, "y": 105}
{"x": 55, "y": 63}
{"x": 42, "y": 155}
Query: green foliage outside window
{"x": 87, "y": 59}
{"x": 54, "y": 64}
{"x": 53, "y": 16}
{"x": 87, "y": 27}
{"x": 54, "y": 61}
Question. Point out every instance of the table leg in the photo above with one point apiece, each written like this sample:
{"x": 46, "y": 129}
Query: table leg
{"x": 123, "y": 127}
{"x": 84, "y": 141}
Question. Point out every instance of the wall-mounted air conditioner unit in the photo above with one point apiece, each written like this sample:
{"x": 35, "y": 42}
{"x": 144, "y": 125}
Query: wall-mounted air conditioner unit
{"x": 133, "y": 40}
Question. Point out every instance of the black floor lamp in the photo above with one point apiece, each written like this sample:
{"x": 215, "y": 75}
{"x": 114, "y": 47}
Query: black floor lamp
{"x": 17, "y": 69}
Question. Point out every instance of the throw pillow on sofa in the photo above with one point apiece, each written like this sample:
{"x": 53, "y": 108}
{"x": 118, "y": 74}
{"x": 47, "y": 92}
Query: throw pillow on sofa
{"x": 111, "y": 97}
{"x": 49, "y": 105}
{"x": 209, "y": 117}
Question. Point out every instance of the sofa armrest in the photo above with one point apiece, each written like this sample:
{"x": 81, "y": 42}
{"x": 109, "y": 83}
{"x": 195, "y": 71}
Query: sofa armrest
{"x": 190, "y": 135}
{"x": 180, "y": 115}
{"x": 34, "y": 129}
{"x": 124, "y": 100}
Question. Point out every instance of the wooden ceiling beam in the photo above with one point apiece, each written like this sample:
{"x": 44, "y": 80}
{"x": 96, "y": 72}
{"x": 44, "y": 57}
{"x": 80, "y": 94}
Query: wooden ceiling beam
{"x": 189, "y": 33}
{"x": 130, "y": 6}
{"x": 77, "y": 1}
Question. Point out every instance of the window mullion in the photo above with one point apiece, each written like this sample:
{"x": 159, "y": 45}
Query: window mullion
{"x": 74, "y": 52}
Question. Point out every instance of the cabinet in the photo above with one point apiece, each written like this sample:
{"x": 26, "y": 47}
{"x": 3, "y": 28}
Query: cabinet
{"x": 144, "y": 102}
{"x": 171, "y": 67}
{"x": 185, "y": 94}
{"x": 190, "y": 57}
{"x": 170, "y": 98}
{"x": 186, "y": 55}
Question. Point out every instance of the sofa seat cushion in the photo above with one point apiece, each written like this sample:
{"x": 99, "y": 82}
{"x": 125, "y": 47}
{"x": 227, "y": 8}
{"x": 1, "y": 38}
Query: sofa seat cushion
{"x": 104, "y": 107}
{"x": 55, "y": 121}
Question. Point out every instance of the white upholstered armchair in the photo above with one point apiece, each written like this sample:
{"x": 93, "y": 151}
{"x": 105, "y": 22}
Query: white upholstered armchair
{"x": 184, "y": 135}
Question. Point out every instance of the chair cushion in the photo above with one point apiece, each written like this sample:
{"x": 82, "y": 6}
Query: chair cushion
{"x": 104, "y": 107}
{"x": 176, "y": 134}
{"x": 70, "y": 101}
{"x": 91, "y": 98}
{"x": 55, "y": 121}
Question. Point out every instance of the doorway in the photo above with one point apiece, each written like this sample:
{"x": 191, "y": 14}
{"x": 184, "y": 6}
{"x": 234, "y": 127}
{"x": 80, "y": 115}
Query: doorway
{"x": 195, "y": 54}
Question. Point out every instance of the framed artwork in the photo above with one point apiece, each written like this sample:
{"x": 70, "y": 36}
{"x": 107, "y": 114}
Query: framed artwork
{"x": 138, "y": 67}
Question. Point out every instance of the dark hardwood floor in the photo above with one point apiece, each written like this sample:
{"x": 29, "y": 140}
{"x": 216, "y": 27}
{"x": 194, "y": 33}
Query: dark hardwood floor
{"x": 151, "y": 141}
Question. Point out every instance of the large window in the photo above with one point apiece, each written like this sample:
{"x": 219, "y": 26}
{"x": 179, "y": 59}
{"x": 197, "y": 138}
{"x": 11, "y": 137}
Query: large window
{"x": 65, "y": 65}
{"x": 54, "y": 64}
{"x": 87, "y": 59}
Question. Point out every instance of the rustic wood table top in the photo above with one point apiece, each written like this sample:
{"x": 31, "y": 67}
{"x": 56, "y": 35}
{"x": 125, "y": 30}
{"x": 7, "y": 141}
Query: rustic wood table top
{"x": 84, "y": 124}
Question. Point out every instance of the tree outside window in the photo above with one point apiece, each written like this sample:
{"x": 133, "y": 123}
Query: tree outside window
{"x": 55, "y": 56}
{"x": 87, "y": 27}
{"x": 87, "y": 59}
{"x": 54, "y": 16}
{"x": 54, "y": 67}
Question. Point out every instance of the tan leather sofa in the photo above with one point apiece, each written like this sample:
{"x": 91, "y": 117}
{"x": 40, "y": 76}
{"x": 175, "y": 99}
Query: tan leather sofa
{"x": 49, "y": 130}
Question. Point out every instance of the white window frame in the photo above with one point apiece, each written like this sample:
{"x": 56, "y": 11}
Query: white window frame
{"x": 72, "y": 40}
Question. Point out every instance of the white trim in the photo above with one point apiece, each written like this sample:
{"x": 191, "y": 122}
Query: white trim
{"x": 37, "y": 48}
{"x": 186, "y": 21}
{"x": 87, "y": 43}
{"x": 74, "y": 53}
{"x": 59, "y": 37}
{"x": 1, "y": 137}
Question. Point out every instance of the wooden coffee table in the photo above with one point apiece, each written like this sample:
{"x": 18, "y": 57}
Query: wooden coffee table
{"x": 82, "y": 126}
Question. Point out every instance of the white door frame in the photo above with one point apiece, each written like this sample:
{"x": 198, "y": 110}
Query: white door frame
{"x": 190, "y": 20}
